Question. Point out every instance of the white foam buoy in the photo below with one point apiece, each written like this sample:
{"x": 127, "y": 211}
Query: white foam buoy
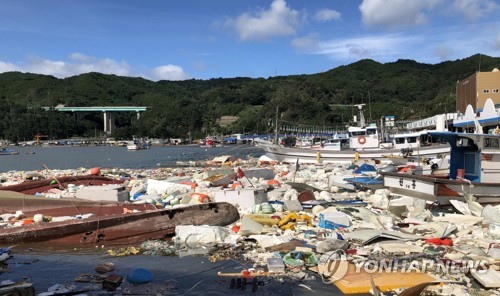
{"x": 38, "y": 218}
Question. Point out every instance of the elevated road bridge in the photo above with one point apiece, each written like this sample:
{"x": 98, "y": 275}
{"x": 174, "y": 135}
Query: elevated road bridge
{"x": 107, "y": 111}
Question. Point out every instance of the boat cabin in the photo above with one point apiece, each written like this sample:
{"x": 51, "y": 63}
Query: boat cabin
{"x": 363, "y": 137}
{"x": 474, "y": 157}
{"x": 401, "y": 141}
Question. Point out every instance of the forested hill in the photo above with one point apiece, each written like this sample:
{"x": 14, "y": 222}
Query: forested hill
{"x": 405, "y": 88}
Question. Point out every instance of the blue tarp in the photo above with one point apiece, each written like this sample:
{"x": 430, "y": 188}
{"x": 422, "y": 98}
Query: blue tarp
{"x": 365, "y": 168}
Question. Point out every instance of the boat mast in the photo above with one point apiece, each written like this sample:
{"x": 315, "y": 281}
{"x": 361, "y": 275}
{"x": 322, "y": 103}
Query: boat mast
{"x": 362, "y": 122}
{"x": 276, "y": 131}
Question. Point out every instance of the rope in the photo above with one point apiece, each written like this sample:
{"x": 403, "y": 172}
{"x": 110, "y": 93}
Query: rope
{"x": 97, "y": 230}
{"x": 192, "y": 288}
{"x": 77, "y": 210}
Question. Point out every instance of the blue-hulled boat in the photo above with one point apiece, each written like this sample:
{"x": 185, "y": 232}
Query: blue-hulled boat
{"x": 7, "y": 151}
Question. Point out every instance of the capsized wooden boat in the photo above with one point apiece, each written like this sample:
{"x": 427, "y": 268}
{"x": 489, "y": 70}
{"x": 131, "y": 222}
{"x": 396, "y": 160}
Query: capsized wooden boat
{"x": 11, "y": 201}
{"x": 32, "y": 187}
{"x": 116, "y": 223}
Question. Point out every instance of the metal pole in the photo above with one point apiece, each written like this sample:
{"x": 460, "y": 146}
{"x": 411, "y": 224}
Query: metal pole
{"x": 445, "y": 118}
{"x": 276, "y": 132}
{"x": 382, "y": 128}
{"x": 370, "y": 105}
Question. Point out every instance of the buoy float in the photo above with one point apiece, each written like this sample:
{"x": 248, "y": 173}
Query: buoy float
{"x": 274, "y": 183}
{"x": 192, "y": 184}
{"x": 202, "y": 198}
{"x": 28, "y": 221}
{"x": 95, "y": 171}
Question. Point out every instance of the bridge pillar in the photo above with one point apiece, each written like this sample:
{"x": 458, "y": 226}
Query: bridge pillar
{"x": 109, "y": 122}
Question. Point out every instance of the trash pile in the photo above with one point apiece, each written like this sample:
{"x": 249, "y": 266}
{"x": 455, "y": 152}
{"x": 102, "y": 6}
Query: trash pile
{"x": 298, "y": 221}
{"x": 306, "y": 221}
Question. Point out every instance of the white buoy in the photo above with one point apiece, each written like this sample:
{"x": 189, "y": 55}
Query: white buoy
{"x": 317, "y": 209}
{"x": 38, "y": 218}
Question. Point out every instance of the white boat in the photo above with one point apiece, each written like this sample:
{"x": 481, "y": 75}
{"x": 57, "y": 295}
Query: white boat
{"x": 363, "y": 143}
{"x": 138, "y": 145}
{"x": 474, "y": 169}
{"x": 334, "y": 142}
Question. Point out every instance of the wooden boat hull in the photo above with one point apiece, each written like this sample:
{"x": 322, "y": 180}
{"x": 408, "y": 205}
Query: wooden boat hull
{"x": 32, "y": 187}
{"x": 305, "y": 155}
{"x": 440, "y": 189}
{"x": 11, "y": 201}
{"x": 110, "y": 225}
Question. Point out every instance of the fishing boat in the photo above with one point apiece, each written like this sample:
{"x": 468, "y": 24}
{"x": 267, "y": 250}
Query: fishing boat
{"x": 292, "y": 155}
{"x": 474, "y": 169}
{"x": 7, "y": 151}
{"x": 112, "y": 223}
{"x": 209, "y": 143}
{"x": 364, "y": 142}
{"x": 138, "y": 144}
{"x": 36, "y": 186}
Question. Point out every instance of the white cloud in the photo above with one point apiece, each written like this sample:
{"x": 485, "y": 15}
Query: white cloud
{"x": 306, "y": 43}
{"x": 8, "y": 67}
{"x": 169, "y": 72}
{"x": 444, "y": 43}
{"x": 278, "y": 20}
{"x": 326, "y": 15}
{"x": 395, "y": 13}
{"x": 79, "y": 63}
{"x": 474, "y": 9}
{"x": 367, "y": 47}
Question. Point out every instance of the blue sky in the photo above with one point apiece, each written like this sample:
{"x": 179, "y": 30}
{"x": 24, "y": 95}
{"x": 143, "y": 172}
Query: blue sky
{"x": 203, "y": 39}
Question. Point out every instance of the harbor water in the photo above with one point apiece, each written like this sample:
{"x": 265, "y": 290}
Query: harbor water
{"x": 188, "y": 275}
{"x": 68, "y": 157}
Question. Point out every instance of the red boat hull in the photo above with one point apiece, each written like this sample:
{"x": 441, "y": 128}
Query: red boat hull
{"x": 110, "y": 225}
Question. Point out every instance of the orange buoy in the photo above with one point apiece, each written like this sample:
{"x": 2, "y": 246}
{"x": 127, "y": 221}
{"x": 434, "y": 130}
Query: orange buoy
{"x": 95, "y": 171}
{"x": 235, "y": 228}
{"x": 192, "y": 184}
{"x": 28, "y": 221}
{"x": 274, "y": 183}
{"x": 202, "y": 198}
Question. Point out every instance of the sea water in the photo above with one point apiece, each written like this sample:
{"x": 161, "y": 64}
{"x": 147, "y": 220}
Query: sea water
{"x": 68, "y": 157}
{"x": 188, "y": 275}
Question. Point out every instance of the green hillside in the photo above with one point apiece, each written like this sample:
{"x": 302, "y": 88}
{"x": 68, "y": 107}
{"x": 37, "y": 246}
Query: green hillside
{"x": 404, "y": 88}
